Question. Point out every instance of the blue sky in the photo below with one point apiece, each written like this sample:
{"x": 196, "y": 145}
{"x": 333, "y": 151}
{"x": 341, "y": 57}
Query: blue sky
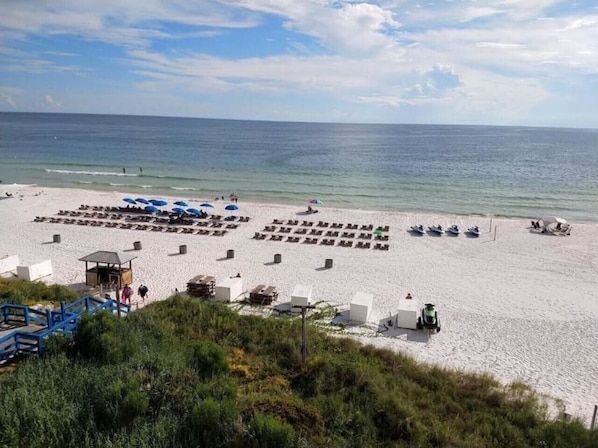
{"x": 507, "y": 62}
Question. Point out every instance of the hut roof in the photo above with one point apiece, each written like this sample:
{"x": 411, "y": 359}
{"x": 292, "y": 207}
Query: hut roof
{"x": 103, "y": 256}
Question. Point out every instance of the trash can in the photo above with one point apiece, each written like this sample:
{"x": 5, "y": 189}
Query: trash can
{"x": 230, "y": 253}
{"x": 56, "y": 238}
{"x": 183, "y": 249}
{"x": 328, "y": 263}
{"x": 277, "y": 258}
{"x": 137, "y": 245}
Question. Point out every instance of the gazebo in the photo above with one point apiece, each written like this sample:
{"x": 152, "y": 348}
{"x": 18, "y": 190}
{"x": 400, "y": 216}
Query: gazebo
{"x": 108, "y": 268}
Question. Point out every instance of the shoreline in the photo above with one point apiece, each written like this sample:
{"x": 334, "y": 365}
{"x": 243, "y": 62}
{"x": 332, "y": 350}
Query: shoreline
{"x": 519, "y": 305}
{"x": 171, "y": 193}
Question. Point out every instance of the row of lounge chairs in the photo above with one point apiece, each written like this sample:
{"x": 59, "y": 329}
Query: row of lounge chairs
{"x": 95, "y": 215}
{"x": 334, "y": 225}
{"x": 328, "y": 233}
{"x": 131, "y": 223}
{"x": 133, "y": 226}
{"x": 324, "y": 241}
{"x": 99, "y": 208}
{"x": 141, "y": 213}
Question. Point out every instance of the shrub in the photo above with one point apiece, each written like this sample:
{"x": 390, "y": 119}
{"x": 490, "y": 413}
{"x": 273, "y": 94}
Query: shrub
{"x": 212, "y": 423}
{"x": 103, "y": 337}
{"x": 57, "y": 344}
{"x": 208, "y": 358}
{"x": 266, "y": 432}
{"x": 119, "y": 404}
{"x": 22, "y": 292}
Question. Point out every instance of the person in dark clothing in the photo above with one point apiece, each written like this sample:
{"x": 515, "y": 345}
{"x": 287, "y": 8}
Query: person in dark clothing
{"x": 142, "y": 291}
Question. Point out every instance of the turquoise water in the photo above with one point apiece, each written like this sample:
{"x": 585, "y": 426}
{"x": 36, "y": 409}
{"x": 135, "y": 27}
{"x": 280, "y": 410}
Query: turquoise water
{"x": 509, "y": 171}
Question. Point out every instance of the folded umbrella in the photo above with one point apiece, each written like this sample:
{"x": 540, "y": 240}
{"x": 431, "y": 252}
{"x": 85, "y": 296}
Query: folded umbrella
{"x": 194, "y": 211}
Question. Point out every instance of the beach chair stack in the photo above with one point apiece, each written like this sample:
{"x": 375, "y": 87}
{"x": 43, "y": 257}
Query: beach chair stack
{"x": 201, "y": 286}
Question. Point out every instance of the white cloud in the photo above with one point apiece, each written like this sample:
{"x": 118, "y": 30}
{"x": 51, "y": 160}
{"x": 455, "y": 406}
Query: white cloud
{"x": 48, "y": 103}
{"x": 127, "y": 23}
{"x": 7, "y": 96}
{"x": 352, "y": 28}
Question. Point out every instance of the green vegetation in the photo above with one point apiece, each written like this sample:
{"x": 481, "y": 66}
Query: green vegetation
{"x": 22, "y": 292}
{"x": 189, "y": 373}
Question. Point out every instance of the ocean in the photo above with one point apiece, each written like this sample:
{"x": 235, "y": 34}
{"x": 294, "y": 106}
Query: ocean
{"x": 467, "y": 170}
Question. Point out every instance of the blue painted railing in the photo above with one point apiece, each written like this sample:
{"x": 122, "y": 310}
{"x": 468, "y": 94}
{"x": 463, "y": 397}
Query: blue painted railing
{"x": 64, "y": 320}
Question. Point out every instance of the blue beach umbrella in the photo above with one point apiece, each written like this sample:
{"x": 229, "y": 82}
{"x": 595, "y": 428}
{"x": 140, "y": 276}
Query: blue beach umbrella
{"x": 158, "y": 202}
{"x": 151, "y": 208}
{"x": 194, "y": 211}
{"x": 181, "y": 203}
{"x": 129, "y": 200}
{"x": 142, "y": 201}
{"x": 179, "y": 210}
{"x": 207, "y": 204}
{"x": 231, "y": 207}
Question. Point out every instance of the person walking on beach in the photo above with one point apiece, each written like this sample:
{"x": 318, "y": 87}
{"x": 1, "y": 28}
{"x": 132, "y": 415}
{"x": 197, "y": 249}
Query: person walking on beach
{"x": 127, "y": 294}
{"x": 142, "y": 291}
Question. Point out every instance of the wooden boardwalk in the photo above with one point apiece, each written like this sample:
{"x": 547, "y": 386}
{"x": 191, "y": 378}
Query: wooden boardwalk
{"x": 8, "y": 329}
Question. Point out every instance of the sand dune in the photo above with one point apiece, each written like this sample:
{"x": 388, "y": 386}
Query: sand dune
{"x": 517, "y": 304}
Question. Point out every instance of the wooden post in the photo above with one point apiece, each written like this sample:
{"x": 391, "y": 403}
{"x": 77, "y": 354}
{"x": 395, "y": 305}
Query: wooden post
{"x": 303, "y": 331}
{"x": 594, "y": 416}
{"x": 495, "y": 227}
{"x": 49, "y": 318}
{"x": 490, "y": 231}
{"x": 118, "y": 291}
{"x": 303, "y": 337}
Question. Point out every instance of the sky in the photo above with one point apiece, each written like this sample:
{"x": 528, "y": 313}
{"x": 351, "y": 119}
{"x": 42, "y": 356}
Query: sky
{"x": 503, "y": 62}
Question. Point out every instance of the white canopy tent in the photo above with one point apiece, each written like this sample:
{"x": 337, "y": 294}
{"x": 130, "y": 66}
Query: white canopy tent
{"x": 555, "y": 225}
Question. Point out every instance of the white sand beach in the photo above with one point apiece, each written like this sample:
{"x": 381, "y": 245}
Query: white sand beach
{"x": 520, "y": 305}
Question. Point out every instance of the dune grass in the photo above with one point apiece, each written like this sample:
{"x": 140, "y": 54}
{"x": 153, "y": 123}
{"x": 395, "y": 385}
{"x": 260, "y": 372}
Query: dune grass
{"x": 184, "y": 372}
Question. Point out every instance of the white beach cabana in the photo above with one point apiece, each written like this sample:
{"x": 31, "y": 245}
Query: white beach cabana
{"x": 361, "y": 307}
{"x": 229, "y": 289}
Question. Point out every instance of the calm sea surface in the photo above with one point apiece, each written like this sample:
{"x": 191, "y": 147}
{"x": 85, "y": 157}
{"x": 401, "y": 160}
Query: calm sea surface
{"x": 509, "y": 171}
